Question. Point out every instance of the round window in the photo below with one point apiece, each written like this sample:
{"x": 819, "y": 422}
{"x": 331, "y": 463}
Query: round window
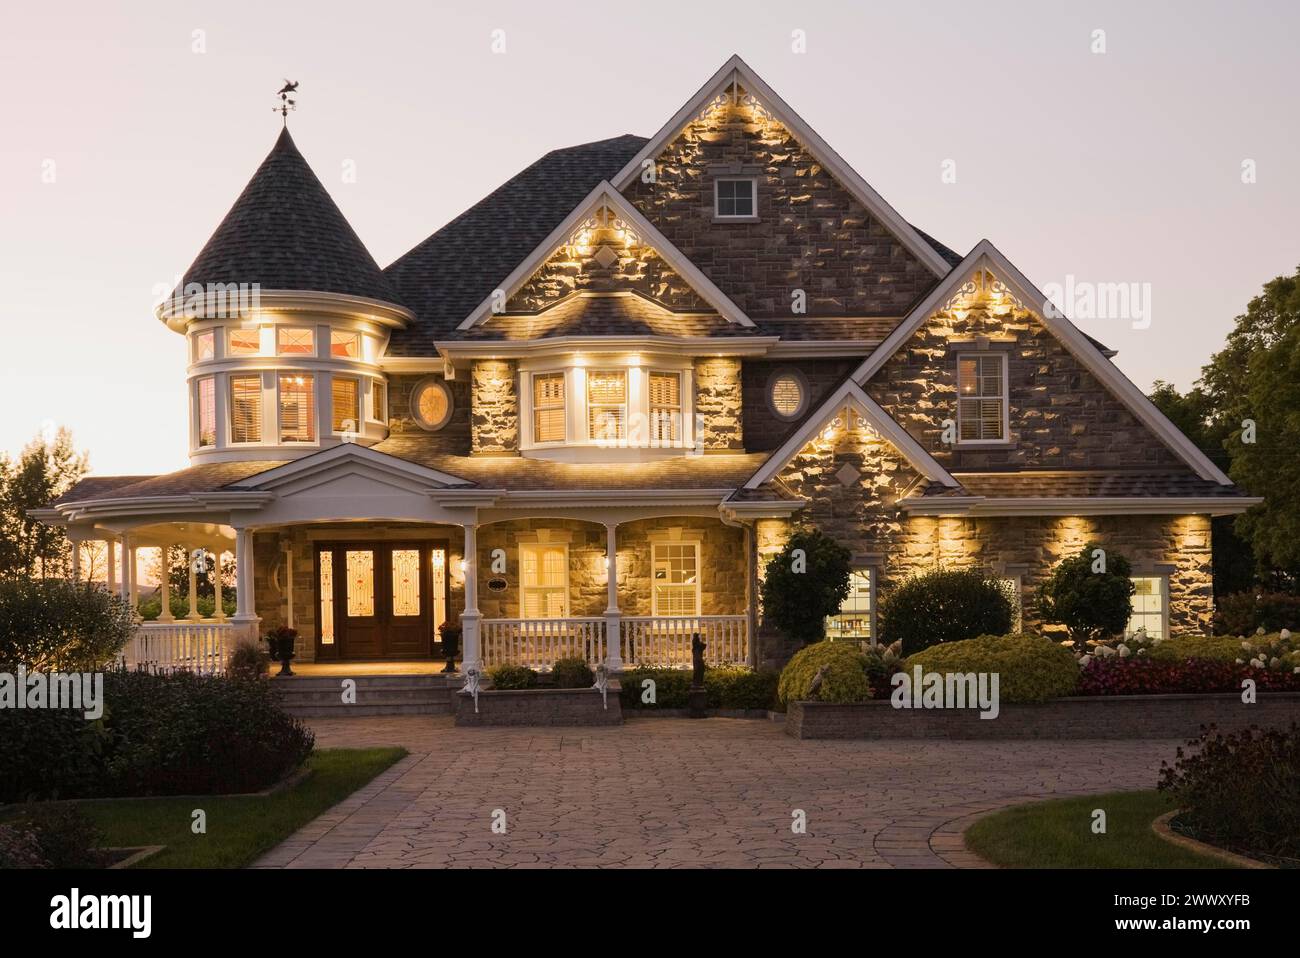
{"x": 787, "y": 393}
{"x": 431, "y": 403}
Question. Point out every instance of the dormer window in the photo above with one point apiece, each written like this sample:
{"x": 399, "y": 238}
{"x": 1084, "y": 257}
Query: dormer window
{"x": 244, "y": 342}
{"x": 294, "y": 341}
{"x": 735, "y": 199}
{"x": 982, "y": 398}
{"x": 345, "y": 345}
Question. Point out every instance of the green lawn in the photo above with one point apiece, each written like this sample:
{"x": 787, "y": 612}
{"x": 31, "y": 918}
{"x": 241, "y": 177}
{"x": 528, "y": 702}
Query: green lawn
{"x": 238, "y": 829}
{"x": 1058, "y": 834}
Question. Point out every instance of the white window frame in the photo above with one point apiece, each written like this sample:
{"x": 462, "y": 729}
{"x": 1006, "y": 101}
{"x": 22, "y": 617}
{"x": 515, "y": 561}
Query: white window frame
{"x": 316, "y": 410}
{"x": 256, "y": 331}
{"x": 378, "y": 407}
{"x": 699, "y": 576}
{"x": 750, "y": 217}
{"x": 531, "y": 418}
{"x": 356, "y": 422}
{"x": 230, "y": 408}
{"x": 194, "y": 345}
{"x": 626, "y": 404}
{"x": 287, "y": 328}
{"x": 871, "y": 576}
{"x": 1005, "y": 399}
{"x": 524, "y": 588}
{"x": 679, "y": 410}
{"x": 198, "y": 412}
{"x": 1163, "y": 580}
{"x": 351, "y": 334}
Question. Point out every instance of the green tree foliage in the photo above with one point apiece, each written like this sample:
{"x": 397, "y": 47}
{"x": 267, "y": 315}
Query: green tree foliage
{"x": 49, "y": 624}
{"x": 805, "y": 583}
{"x": 944, "y": 606}
{"x": 44, "y": 470}
{"x": 1091, "y": 595}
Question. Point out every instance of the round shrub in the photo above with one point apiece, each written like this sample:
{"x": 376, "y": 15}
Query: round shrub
{"x": 1090, "y": 593}
{"x": 1030, "y": 668}
{"x": 508, "y": 677}
{"x": 943, "y": 606}
{"x": 572, "y": 673}
{"x": 845, "y": 679}
{"x": 805, "y": 583}
{"x": 50, "y": 624}
{"x": 1197, "y": 647}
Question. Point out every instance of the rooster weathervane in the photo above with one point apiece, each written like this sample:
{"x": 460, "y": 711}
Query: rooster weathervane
{"x": 287, "y": 102}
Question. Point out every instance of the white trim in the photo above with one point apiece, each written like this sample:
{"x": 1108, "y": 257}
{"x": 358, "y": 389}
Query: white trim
{"x": 269, "y": 480}
{"x": 454, "y": 350}
{"x": 986, "y": 256}
{"x": 719, "y": 216}
{"x": 694, "y": 543}
{"x": 290, "y": 300}
{"x": 603, "y": 194}
{"x": 539, "y": 546}
{"x": 737, "y": 69}
{"x": 850, "y": 394}
{"x": 1163, "y": 579}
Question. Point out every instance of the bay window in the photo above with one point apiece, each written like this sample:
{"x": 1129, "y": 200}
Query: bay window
{"x": 297, "y": 408}
{"x": 346, "y": 412}
{"x": 207, "y": 407}
{"x": 607, "y": 405}
{"x": 548, "y": 408}
{"x": 246, "y": 408}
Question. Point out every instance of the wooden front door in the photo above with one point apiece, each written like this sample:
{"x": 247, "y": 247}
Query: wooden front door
{"x": 376, "y": 600}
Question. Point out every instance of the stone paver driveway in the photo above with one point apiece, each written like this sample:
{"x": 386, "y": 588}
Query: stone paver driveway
{"x": 666, "y": 793}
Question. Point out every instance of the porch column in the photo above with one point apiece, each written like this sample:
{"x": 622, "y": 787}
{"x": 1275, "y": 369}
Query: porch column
{"x": 245, "y": 610}
{"x": 218, "y": 611}
{"x": 165, "y": 587}
{"x": 195, "y": 556}
{"x": 471, "y": 655}
{"x": 613, "y": 616}
{"x": 134, "y": 595}
{"x": 124, "y": 589}
{"x": 110, "y": 565}
{"x": 76, "y": 559}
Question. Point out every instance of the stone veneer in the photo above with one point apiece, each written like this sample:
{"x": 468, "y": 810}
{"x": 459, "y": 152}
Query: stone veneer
{"x": 452, "y": 438}
{"x": 719, "y": 404}
{"x": 495, "y": 411}
{"x": 764, "y": 429}
{"x": 811, "y": 234}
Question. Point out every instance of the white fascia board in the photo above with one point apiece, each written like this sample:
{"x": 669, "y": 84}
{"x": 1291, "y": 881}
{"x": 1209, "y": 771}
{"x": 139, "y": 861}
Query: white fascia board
{"x": 583, "y": 498}
{"x": 986, "y": 256}
{"x": 344, "y": 452}
{"x": 818, "y": 348}
{"x": 683, "y": 345}
{"x": 770, "y": 509}
{"x": 391, "y": 315}
{"x": 605, "y": 194}
{"x": 1080, "y": 506}
{"x": 845, "y": 175}
{"x": 851, "y": 394}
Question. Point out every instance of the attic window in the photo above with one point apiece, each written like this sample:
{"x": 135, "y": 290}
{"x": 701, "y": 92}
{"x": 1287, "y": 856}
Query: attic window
{"x": 735, "y": 199}
{"x": 982, "y": 397}
{"x": 787, "y": 393}
{"x": 431, "y": 404}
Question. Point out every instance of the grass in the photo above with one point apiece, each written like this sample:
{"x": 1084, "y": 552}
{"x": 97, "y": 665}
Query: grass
{"x": 238, "y": 829}
{"x": 1058, "y": 834}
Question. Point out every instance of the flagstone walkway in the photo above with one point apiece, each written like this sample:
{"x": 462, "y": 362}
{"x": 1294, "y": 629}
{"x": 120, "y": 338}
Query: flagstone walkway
{"x": 676, "y": 793}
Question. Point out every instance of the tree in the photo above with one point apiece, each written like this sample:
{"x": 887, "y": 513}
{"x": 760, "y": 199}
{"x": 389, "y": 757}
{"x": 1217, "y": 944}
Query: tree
{"x": 805, "y": 583}
{"x": 45, "y": 470}
{"x": 1090, "y": 594}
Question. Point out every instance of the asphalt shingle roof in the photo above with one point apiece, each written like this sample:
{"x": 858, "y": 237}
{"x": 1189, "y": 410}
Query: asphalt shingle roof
{"x": 600, "y": 315}
{"x": 1121, "y": 484}
{"x": 285, "y": 232}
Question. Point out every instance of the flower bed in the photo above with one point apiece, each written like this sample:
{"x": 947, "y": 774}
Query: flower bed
{"x": 1150, "y": 676}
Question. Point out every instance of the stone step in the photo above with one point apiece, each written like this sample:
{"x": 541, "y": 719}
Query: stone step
{"x": 335, "y": 682}
{"x": 359, "y": 711}
{"x": 366, "y": 696}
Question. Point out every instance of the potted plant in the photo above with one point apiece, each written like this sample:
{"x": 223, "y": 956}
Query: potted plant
{"x": 281, "y": 641}
{"x": 449, "y": 633}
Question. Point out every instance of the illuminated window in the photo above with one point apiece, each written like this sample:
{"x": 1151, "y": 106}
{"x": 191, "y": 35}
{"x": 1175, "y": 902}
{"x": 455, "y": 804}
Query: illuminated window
{"x": 548, "y": 408}
{"x": 787, "y": 394}
{"x": 345, "y": 345}
{"x": 361, "y": 583}
{"x": 981, "y": 397}
{"x": 378, "y": 401}
{"x": 856, "y": 619}
{"x": 207, "y": 405}
{"x": 544, "y": 572}
{"x": 291, "y": 341}
{"x": 244, "y": 342}
{"x": 205, "y": 345}
{"x": 431, "y": 403}
{"x": 326, "y": 597}
{"x": 297, "y": 408}
{"x": 406, "y": 582}
{"x": 1150, "y": 606}
{"x": 1012, "y": 586}
{"x": 245, "y": 409}
{"x": 346, "y": 412}
{"x": 665, "y": 407}
{"x": 676, "y": 584}
{"x": 735, "y": 198}
{"x": 607, "y": 405}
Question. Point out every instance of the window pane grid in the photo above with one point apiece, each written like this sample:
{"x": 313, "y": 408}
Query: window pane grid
{"x": 295, "y": 342}
{"x": 735, "y": 197}
{"x": 676, "y": 578}
{"x": 244, "y": 342}
{"x": 1148, "y": 606}
{"x": 544, "y": 574}
{"x": 853, "y": 621}
{"x": 981, "y": 402}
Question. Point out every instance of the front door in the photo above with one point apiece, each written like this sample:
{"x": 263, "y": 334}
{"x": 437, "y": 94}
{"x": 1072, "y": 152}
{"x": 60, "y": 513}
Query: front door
{"x": 377, "y": 600}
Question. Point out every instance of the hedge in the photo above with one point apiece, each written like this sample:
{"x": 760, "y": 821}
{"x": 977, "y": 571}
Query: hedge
{"x": 1030, "y": 668}
{"x": 724, "y": 688}
{"x": 845, "y": 679}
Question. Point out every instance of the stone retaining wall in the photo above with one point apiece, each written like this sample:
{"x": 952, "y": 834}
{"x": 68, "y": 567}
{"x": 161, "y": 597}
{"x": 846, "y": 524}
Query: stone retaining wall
{"x": 540, "y": 707}
{"x": 1083, "y": 717}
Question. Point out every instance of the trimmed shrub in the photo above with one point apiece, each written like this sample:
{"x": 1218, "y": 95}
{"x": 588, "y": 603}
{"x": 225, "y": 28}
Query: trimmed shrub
{"x": 1196, "y": 647}
{"x": 1240, "y": 790}
{"x": 54, "y": 624}
{"x": 507, "y": 677}
{"x": 724, "y": 688}
{"x": 572, "y": 673}
{"x": 51, "y": 836}
{"x": 1148, "y": 676}
{"x": 1030, "y": 668}
{"x": 799, "y": 592}
{"x": 845, "y": 679}
{"x": 1092, "y": 605}
{"x": 670, "y": 685}
{"x": 169, "y": 734}
{"x": 943, "y": 606}
{"x": 1242, "y": 613}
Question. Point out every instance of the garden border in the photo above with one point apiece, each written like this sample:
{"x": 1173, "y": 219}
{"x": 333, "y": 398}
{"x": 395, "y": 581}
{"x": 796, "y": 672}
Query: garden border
{"x": 1162, "y": 828}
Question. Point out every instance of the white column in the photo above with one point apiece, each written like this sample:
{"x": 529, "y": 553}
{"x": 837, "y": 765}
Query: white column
{"x": 245, "y": 610}
{"x": 613, "y": 616}
{"x": 471, "y": 654}
{"x": 124, "y": 589}
{"x": 218, "y": 611}
{"x": 165, "y": 587}
{"x": 134, "y": 595}
{"x": 194, "y": 556}
{"x": 76, "y": 558}
{"x": 110, "y": 565}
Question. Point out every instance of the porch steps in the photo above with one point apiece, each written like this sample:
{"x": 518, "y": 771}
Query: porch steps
{"x": 321, "y": 696}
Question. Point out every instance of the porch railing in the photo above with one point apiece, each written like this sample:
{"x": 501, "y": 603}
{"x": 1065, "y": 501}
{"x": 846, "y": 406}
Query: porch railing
{"x": 665, "y": 641}
{"x": 202, "y": 647}
{"x": 538, "y": 643}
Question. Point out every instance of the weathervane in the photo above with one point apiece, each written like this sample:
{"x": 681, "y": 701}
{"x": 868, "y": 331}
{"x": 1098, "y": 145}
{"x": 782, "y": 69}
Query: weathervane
{"x": 287, "y": 103}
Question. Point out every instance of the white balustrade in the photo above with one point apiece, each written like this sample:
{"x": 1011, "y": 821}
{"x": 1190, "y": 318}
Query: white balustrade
{"x": 538, "y": 643}
{"x": 201, "y": 647}
{"x": 664, "y": 641}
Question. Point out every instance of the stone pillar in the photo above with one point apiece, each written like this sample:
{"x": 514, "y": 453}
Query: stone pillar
{"x": 471, "y": 654}
{"x": 218, "y": 611}
{"x": 613, "y": 615}
{"x": 165, "y": 588}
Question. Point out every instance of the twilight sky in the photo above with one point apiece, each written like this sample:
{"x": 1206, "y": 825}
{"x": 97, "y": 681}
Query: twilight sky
{"x": 1115, "y": 167}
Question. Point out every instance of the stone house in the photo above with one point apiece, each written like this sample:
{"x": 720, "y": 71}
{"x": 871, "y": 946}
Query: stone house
{"x": 578, "y": 418}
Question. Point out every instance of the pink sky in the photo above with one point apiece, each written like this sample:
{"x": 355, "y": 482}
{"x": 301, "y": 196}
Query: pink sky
{"x": 1115, "y": 167}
